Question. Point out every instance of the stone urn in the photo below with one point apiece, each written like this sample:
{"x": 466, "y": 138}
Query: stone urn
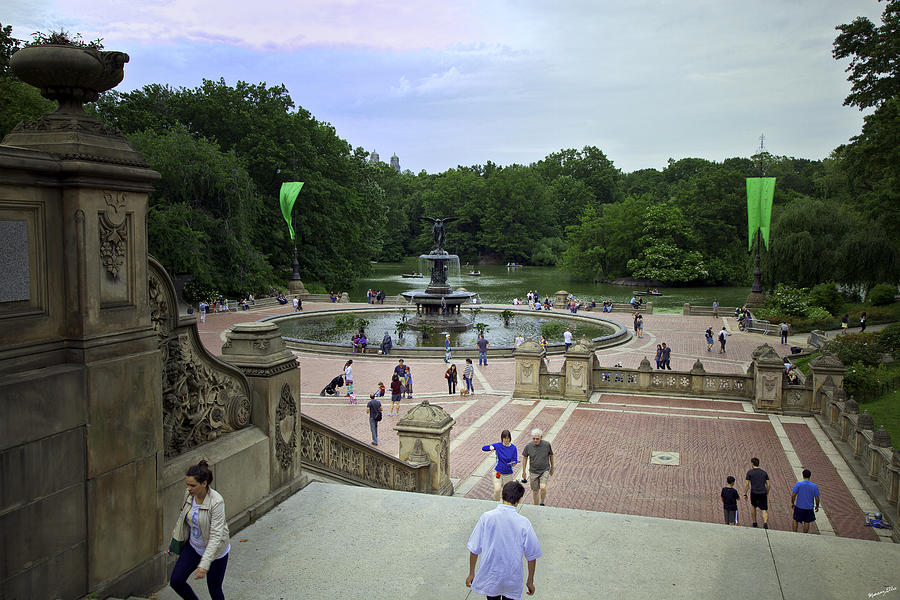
{"x": 71, "y": 75}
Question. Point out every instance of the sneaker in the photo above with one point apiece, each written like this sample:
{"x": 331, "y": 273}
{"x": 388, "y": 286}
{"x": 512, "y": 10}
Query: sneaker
{"x": 765, "y": 525}
{"x": 542, "y": 504}
{"x": 755, "y": 525}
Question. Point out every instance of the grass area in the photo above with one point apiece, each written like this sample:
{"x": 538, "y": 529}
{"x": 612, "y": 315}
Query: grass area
{"x": 886, "y": 411}
{"x": 802, "y": 363}
{"x": 875, "y": 314}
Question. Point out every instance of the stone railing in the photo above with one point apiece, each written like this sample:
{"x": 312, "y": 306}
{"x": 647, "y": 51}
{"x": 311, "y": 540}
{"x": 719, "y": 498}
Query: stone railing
{"x": 326, "y": 450}
{"x": 867, "y": 450}
{"x": 696, "y": 382}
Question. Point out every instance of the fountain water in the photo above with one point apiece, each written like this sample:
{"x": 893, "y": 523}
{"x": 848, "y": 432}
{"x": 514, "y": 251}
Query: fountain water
{"x": 439, "y": 305}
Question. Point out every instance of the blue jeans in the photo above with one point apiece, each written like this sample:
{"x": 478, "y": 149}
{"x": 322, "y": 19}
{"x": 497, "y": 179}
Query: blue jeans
{"x": 482, "y": 357}
{"x": 373, "y": 425}
{"x": 469, "y": 385}
{"x": 187, "y": 562}
{"x": 784, "y": 337}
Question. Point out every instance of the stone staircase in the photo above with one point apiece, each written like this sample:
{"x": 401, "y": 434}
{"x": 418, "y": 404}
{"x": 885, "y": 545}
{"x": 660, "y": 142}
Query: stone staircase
{"x": 333, "y": 541}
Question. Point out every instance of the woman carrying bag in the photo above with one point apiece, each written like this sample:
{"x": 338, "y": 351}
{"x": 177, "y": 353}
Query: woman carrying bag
{"x": 200, "y": 536}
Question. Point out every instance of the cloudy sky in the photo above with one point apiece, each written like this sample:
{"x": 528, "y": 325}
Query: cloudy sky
{"x": 447, "y": 83}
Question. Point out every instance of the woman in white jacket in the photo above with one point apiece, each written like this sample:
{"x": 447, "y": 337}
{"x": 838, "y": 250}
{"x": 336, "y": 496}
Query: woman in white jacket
{"x": 203, "y": 532}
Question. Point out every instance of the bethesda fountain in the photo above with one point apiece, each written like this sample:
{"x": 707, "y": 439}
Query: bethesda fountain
{"x": 439, "y": 305}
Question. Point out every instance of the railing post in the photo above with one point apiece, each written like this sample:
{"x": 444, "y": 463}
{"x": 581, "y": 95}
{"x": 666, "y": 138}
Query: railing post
{"x": 528, "y": 370}
{"x": 258, "y": 350}
{"x": 697, "y": 375}
{"x": 644, "y": 372}
{"x": 825, "y": 370}
{"x": 768, "y": 380}
{"x": 577, "y": 368}
{"x": 424, "y": 434}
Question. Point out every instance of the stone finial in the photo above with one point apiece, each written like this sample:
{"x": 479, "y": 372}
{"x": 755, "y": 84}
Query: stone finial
{"x": 697, "y": 369}
{"x": 881, "y": 438}
{"x": 427, "y": 416}
{"x": 865, "y": 421}
{"x": 581, "y": 346}
{"x": 839, "y": 394}
{"x": 766, "y": 355}
{"x": 851, "y": 407}
{"x": 645, "y": 365}
{"x": 826, "y": 361}
{"x": 528, "y": 347}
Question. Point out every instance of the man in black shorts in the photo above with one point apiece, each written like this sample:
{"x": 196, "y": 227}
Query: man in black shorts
{"x": 758, "y": 483}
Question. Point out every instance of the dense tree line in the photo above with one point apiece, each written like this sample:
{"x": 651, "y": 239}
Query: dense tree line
{"x": 224, "y": 150}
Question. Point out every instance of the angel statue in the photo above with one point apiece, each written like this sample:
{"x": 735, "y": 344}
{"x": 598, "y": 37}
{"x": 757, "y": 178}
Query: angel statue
{"x": 437, "y": 230}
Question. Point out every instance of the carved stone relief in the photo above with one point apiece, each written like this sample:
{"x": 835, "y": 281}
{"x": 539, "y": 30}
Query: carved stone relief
{"x": 286, "y": 428}
{"x": 113, "y": 233}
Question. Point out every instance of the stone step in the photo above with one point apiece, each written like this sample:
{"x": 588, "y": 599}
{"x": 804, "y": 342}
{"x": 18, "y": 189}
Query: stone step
{"x": 333, "y": 541}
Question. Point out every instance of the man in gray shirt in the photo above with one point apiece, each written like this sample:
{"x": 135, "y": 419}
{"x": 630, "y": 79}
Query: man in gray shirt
{"x": 482, "y": 350}
{"x": 540, "y": 455}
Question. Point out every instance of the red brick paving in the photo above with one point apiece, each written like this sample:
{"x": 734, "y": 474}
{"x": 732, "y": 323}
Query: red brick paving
{"x": 602, "y": 456}
{"x": 845, "y": 515}
{"x": 681, "y": 412}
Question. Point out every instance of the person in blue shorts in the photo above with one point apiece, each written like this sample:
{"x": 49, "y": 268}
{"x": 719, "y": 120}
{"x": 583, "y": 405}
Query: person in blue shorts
{"x": 805, "y": 500}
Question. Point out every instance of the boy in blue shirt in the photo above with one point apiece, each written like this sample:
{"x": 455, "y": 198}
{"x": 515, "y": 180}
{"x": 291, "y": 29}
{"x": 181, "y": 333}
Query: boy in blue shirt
{"x": 507, "y": 456}
{"x": 803, "y": 495}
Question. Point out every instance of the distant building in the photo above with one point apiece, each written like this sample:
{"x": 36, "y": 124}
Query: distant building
{"x": 374, "y": 158}
{"x": 395, "y": 163}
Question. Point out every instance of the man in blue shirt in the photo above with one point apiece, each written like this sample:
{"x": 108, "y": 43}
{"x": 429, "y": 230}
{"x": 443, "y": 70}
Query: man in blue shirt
{"x": 804, "y": 495}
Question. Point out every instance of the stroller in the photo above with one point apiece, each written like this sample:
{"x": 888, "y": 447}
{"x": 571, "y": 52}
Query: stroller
{"x": 331, "y": 388}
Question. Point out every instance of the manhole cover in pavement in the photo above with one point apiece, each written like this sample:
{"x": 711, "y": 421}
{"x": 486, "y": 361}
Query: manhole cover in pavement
{"x": 664, "y": 457}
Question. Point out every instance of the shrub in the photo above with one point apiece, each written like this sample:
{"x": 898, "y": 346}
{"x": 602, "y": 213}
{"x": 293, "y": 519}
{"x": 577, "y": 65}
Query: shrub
{"x": 817, "y": 313}
{"x": 889, "y": 339}
{"x": 552, "y": 329}
{"x": 882, "y": 294}
{"x": 856, "y": 348}
{"x": 345, "y": 321}
{"x": 196, "y": 290}
{"x": 787, "y": 300}
{"x": 862, "y": 381}
{"x": 826, "y": 295}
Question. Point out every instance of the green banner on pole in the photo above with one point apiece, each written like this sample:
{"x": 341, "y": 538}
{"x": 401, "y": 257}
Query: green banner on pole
{"x": 760, "y": 192}
{"x": 289, "y": 192}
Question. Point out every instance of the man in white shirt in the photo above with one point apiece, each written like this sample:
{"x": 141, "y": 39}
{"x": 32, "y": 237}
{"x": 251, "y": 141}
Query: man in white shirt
{"x": 567, "y": 338}
{"x": 501, "y": 537}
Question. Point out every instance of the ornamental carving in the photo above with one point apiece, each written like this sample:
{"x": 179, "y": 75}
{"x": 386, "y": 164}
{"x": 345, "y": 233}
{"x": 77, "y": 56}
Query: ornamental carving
{"x": 113, "y": 232}
{"x": 203, "y": 398}
{"x": 577, "y": 373}
{"x": 286, "y": 428}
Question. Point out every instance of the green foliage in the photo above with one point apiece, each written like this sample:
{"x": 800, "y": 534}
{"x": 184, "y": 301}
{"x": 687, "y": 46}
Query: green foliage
{"x": 18, "y": 100}
{"x": 64, "y": 38}
{"x": 889, "y": 339}
{"x": 481, "y": 328}
{"x": 817, "y": 313}
{"x": 826, "y": 295}
{"x": 196, "y": 290}
{"x": 552, "y": 329}
{"x": 668, "y": 248}
{"x": 315, "y": 287}
{"x": 361, "y": 324}
{"x": 402, "y": 327}
{"x": 506, "y": 315}
{"x": 885, "y": 409}
{"x": 882, "y": 294}
{"x": 861, "y": 380}
{"x": 787, "y": 300}
{"x": 874, "y": 68}
{"x": 856, "y": 348}
{"x": 346, "y": 321}
{"x": 426, "y": 330}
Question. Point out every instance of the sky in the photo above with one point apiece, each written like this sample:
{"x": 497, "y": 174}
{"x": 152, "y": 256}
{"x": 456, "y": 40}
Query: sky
{"x": 444, "y": 83}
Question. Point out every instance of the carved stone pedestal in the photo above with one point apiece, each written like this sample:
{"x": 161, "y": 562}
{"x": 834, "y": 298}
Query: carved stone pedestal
{"x": 768, "y": 368}
{"x": 424, "y": 434}
{"x": 529, "y": 363}
{"x": 274, "y": 373}
{"x": 578, "y": 369}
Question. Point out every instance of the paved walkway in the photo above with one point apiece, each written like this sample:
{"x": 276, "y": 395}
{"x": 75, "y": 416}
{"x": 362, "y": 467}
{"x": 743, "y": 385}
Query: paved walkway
{"x": 335, "y": 541}
{"x": 603, "y": 448}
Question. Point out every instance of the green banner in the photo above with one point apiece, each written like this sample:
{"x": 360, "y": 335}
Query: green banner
{"x": 289, "y": 192}
{"x": 760, "y": 192}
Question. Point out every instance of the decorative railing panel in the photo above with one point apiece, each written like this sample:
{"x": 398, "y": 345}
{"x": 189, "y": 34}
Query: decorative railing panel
{"x": 325, "y": 449}
{"x": 203, "y": 397}
{"x": 729, "y": 385}
{"x": 620, "y": 379}
{"x": 553, "y": 384}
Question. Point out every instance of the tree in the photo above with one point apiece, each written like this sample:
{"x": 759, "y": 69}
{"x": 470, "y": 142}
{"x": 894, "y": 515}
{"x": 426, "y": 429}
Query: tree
{"x": 668, "y": 243}
{"x": 873, "y": 51}
{"x": 18, "y": 100}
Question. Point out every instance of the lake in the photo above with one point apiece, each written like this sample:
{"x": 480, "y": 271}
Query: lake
{"x": 498, "y": 284}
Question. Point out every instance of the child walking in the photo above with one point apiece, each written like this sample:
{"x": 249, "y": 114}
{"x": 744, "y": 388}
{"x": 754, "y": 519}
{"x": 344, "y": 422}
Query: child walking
{"x": 729, "y": 501}
{"x": 396, "y": 393}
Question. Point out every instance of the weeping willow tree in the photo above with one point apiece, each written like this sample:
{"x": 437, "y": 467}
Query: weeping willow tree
{"x": 819, "y": 240}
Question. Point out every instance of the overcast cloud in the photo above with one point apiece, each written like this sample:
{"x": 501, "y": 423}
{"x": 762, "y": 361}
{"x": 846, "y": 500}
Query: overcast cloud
{"x": 460, "y": 83}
